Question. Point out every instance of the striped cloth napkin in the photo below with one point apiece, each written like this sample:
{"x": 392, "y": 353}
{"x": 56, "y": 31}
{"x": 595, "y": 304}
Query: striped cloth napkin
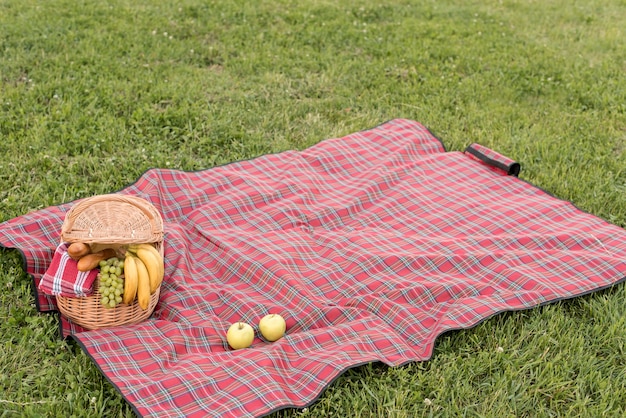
{"x": 63, "y": 277}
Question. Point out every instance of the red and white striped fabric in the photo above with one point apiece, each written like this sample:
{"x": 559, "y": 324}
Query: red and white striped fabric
{"x": 63, "y": 277}
{"x": 370, "y": 245}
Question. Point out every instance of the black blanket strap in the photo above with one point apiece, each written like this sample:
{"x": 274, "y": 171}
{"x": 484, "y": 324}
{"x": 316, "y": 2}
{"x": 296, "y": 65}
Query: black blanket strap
{"x": 494, "y": 159}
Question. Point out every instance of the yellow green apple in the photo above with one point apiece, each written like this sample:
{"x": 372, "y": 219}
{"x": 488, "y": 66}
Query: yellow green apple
{"x": 272, "y": 327}
{"x": 240, "y": 335}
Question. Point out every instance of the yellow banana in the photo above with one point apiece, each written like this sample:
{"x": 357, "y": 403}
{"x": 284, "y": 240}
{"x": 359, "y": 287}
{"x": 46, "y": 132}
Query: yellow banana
{"x": 157, "y": 255}
{"x": 153, "y": 261}
{"x": 148, "y": 247}
{"x": 152, "y": 264}
{"x": 143, "y": 284}
{"x": 130, "y": 279}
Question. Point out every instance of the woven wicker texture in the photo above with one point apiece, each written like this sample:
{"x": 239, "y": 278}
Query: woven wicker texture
{"x": 110, "y": 221}
{"x": 89, "y": 313}
{"x": 114, "y": 219}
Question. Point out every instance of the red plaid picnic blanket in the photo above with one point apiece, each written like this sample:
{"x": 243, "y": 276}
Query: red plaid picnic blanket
{"x": 370, "y": 246}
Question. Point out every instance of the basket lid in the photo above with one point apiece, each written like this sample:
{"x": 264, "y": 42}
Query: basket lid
{"x": 112, "y": 218}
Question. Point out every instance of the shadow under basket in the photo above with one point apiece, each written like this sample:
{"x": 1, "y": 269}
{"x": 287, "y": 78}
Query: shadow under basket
{"x": 110, "y": 221}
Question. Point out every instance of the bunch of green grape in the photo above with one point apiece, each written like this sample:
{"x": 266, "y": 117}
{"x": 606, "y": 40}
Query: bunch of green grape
{"x": 111, "y": 282}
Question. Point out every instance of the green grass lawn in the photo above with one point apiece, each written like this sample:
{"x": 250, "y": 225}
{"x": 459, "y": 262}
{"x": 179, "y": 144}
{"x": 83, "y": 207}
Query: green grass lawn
{"x": 93, "y": 93}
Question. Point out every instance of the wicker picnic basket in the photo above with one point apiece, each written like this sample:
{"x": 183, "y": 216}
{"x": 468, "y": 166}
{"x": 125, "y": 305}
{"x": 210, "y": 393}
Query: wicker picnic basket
{"x": 110, "y": 221}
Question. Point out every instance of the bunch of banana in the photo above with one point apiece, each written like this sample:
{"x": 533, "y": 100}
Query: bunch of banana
{"x": 143, "y": 273}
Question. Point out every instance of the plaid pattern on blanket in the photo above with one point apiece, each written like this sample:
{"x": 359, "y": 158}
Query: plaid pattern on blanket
{"x": 370, "y": 246}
